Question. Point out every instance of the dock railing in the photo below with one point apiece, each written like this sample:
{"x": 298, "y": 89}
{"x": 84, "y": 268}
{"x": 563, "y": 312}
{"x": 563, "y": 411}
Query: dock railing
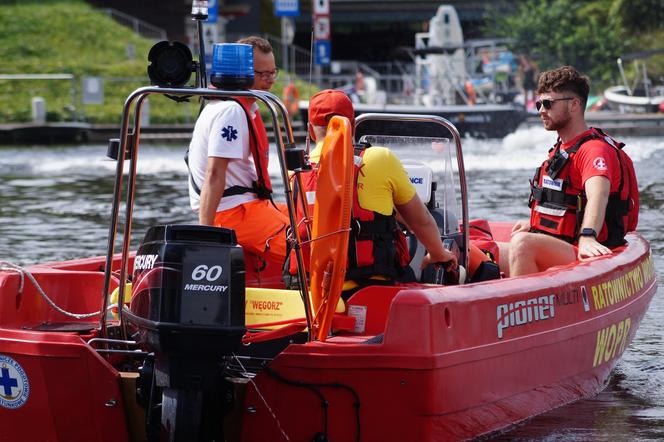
{"x": 42, "y": 77}
{"x": 139, "y": 26}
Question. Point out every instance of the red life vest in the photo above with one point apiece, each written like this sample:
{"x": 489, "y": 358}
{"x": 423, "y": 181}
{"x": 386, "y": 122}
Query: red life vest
{"x": 260, "y": 151}
{"x": 484, "y": 252}
{"x": 308, "y": 179}
{"x": 480, "y": 235}
{"x": 377, "y": 245}
{"x": 557, "y": 209}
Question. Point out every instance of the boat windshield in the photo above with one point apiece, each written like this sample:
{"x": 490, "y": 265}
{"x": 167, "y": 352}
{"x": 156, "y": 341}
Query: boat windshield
{"x": 428, "y": 162}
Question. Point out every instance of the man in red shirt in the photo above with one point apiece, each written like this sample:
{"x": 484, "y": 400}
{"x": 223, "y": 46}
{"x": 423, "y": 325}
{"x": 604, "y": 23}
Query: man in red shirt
{"x": 582, "y": 197}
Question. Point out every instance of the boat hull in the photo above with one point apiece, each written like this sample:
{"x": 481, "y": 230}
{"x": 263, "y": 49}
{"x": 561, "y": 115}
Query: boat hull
{"x": 620, "y": 100}
{"x": 68, "y": 391}
{"x": 423, "y": 364}
{"x": 480, "y": 121}
{"x": 459, "y": 362}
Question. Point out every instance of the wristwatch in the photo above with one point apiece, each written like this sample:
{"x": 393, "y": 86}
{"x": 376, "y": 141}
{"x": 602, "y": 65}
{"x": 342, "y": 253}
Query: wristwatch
{"x": 587, "y": 231}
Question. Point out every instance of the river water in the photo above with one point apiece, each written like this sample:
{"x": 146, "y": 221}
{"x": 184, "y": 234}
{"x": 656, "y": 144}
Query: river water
{"x": 55, "y": 205}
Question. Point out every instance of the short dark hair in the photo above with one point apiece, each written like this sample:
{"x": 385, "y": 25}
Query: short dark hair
{"x": 258, "y": 43}
{"x": 564, "y": 79}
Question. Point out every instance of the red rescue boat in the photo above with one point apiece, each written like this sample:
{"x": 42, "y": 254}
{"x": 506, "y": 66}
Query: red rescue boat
{"x": 212, "y": 346}
{"x": 453, "y": 362}
{"x": 458, "y": 362}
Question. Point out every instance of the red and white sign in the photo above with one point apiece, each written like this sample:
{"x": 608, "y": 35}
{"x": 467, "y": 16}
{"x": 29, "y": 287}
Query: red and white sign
{"x": 322, "y": 27}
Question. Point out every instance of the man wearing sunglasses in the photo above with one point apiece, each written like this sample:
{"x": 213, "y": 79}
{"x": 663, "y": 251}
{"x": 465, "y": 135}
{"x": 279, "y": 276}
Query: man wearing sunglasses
{"x": 228, "y": 155}
{"x": 584, "y": 197}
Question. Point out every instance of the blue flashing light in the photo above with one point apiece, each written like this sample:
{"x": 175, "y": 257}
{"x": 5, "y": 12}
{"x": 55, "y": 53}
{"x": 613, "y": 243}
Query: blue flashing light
{"x": 232, "y": 66}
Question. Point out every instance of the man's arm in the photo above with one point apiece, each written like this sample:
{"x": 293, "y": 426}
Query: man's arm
{"x": 418, "y": 218}
{"x": 212, "y": 189}
{"x": 597, "y": 191}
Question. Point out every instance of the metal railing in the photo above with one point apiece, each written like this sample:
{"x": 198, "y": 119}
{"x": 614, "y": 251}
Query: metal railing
{"x": 139, "y": 26}
{"x": 129, "y": 141}
{"x": 299, "y": 59}
{"x": 42, "y": 77}
{"x": 390, "y": 77}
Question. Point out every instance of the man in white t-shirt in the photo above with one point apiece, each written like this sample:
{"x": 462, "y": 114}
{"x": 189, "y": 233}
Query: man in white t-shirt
{"x": 227, "y": 172}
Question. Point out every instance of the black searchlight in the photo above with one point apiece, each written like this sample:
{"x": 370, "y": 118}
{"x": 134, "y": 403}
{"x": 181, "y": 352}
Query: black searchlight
{"x": 171, "y": 64}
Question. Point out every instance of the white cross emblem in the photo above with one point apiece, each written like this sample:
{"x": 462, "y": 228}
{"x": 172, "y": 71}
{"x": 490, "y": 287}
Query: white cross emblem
{"x": 599, "y": 163}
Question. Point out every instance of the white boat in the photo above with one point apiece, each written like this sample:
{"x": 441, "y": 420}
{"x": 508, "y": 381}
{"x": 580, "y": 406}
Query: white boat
{"x": 622, "y": 99}
{"x": 641, "y": 96}
{"x": 445, "y": 84}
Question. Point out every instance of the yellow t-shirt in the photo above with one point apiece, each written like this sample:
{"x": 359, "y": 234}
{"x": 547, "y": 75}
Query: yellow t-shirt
{"x": 382, "y": 180}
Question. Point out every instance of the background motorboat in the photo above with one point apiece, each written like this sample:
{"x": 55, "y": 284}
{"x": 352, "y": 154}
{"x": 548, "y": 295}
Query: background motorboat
{"x": 641, "y": 95}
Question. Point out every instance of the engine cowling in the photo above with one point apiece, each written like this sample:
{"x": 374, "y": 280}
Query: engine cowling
{"x": 188, "y": 290}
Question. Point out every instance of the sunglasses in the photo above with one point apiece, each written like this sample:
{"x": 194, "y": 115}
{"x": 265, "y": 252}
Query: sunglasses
{"x": 548, "y": 102}
{"x": 268, "y": 74}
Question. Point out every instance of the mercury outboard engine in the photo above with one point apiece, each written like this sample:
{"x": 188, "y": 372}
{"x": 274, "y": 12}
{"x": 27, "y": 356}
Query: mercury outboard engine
{"x": 187, "y": 309}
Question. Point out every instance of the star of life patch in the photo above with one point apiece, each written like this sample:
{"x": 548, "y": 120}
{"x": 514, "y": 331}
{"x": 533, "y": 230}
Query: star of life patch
{"x": 229, "y": 133}
{"x": 14, "y": 385}
{"x": 550, "y": 183}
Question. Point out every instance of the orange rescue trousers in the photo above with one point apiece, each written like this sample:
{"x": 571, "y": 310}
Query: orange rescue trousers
{"x": 260, "y": 228}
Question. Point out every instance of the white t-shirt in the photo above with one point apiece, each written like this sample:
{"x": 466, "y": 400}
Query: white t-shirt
{"x": 221, "y": 131}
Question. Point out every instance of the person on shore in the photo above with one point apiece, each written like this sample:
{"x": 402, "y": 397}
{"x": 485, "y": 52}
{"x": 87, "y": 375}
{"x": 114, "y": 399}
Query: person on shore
{"x": 584, "y": 197}
{"x": 228, "y": 158}
{"x": 383, "y": 189}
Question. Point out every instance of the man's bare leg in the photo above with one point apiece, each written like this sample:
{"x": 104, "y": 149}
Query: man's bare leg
{"x": 504, "y": 257}
{"x": 535, "y": 252}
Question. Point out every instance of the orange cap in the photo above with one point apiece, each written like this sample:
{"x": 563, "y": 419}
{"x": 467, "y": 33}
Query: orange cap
{"x": 328, "y": 103}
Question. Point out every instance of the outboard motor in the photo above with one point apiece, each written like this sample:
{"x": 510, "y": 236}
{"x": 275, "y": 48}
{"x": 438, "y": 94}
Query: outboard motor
{"x": 187, "y": 308}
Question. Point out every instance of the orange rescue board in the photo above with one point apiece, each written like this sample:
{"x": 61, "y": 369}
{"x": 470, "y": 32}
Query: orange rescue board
{"x": 331, "y": 223}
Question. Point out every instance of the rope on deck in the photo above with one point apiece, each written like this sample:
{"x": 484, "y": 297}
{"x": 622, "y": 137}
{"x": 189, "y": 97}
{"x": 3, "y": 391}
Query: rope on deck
{"x": 9, "y": 267}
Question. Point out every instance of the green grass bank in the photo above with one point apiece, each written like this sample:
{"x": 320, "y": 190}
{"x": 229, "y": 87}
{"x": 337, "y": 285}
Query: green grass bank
{"x": 70, "y": 36}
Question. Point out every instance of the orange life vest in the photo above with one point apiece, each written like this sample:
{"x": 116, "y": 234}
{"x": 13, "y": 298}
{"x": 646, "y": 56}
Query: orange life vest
{"x": 557, "y": 207}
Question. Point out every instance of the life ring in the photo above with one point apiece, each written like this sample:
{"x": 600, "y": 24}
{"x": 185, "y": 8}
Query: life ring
{"x": 291, "y": 97}
{"x": 470, "y": 92}
{"x": 331, "y": 224}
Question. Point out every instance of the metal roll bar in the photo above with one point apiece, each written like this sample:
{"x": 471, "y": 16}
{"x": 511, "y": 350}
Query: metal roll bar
{"x": 363, "y": 118}
{"x": 137, "y": 98}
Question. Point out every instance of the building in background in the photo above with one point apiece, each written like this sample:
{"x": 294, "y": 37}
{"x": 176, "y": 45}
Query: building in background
{"x": 383, "y": 26}
{"x": 236, "y": 17}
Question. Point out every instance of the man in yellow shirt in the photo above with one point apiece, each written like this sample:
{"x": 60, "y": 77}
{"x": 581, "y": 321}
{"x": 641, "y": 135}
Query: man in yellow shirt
{"x": 383, "y": 190}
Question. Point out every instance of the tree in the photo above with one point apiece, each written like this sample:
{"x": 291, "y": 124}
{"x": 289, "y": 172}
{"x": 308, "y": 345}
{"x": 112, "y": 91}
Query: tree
{"x": 563, "y": 32}
{"x": 638, "y": 17}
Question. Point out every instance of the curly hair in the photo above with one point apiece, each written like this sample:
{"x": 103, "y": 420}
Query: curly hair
{"x": 258, "y": 43}
{"x": 564, "y": 79}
